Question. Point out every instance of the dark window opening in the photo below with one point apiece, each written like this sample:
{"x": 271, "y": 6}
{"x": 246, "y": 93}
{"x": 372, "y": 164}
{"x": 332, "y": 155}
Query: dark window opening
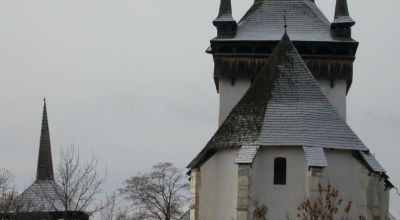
{"x": 244, "y": 49}
{"x": 280, "y": 171}
{"x": 224, "y": 50}
{"x": 263, "y": 49}
{"x": 342, "y": 52}
{"x": 324, "y": 51}
{"x": 305, "y": 51}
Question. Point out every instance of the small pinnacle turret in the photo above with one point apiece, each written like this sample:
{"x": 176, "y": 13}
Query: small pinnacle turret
{"x": 285, "y": 26}
{"x": 225, "y": 24}
{"x": 343, "y": 22}
{"x": 45, "y": 162}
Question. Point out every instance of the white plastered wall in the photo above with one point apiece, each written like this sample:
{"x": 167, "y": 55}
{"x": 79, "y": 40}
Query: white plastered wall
{"x": 230, "y": 94}
{"x": 357, "y": 184}
{"x": 282, "y": 200}
{"x": 336, "y": 94}
{"x": 352, "y": 179}
{"x": 218, "y": 187}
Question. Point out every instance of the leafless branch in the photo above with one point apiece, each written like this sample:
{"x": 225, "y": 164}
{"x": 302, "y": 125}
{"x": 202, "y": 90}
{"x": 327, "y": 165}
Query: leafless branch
{"x": 158, "y": 194}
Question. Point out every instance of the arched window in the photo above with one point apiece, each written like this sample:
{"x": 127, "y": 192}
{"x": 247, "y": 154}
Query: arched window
{"x": 280, "y": 171}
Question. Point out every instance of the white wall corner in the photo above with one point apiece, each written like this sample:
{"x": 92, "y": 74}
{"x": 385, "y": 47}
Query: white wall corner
{"x": 194, "y": 193}
{"x": 243, "y": 197}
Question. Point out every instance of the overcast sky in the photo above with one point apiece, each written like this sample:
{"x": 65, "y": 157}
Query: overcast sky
{"x": 130, "y": 81}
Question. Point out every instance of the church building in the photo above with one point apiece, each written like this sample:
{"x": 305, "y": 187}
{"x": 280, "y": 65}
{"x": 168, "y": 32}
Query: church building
{"x": 45, "y": 199}
{"x": 283, "y": 73}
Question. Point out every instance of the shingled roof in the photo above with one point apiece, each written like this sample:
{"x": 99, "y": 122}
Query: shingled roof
{"x": 283, "y": 107}
{"x": 264, "y": 22}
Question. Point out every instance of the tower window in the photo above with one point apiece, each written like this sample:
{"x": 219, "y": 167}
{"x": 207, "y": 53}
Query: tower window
{"x": 324, "y": 51}
{"x": 244, "y": 49}
{"x": 304, "y": 51}
{"x": 263, "y": 49}
{"x": 225, "y": 49}
{"x": 342, "y": 52}
{"x": 280, "y": 171}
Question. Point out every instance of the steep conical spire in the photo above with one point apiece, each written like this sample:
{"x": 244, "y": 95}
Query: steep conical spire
{"x": 45, "y": 163}
{"x": 342, "y": 15}
{"x": 226, "y": 25}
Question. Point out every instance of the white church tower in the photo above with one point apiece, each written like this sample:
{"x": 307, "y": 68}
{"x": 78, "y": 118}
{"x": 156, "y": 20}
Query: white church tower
{"x": 282, "y": 117}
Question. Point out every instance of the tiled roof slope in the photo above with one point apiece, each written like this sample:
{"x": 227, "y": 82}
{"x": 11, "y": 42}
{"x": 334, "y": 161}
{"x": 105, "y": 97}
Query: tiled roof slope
{"x": 264, "y": 22}
{"x": 315, "y": 156}
{"x": 372, "y": 162}
{"x": 283, "y": 107}
{"x": 43, "y": 196}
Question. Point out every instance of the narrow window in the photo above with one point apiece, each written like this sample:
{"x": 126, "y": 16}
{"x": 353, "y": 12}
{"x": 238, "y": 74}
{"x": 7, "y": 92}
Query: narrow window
{"x": 280, "y": 171}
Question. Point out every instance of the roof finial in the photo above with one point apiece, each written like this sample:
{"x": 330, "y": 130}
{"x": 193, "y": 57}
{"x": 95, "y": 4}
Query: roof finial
{"x": 226, "y": 25}
{"x": 342, "y": 15}
{"x": 284, "y": 18}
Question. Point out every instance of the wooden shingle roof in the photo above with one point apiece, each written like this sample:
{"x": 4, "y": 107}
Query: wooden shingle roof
{"x": 264, "y": 22}
{"x": 283, "y": 107}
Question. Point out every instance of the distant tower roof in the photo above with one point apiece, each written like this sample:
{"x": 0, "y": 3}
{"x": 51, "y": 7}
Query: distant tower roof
{"x": 283, "y": 107}
{"x": 45, "y": 161}
{"x": 263, "y": 22}
{"x": 45, "y": 198}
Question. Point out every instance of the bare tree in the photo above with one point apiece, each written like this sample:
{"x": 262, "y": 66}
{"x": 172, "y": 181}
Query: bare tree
{"x": 78, "y": 187}
{"x": 80, "y": 182}
{"x": 115, "y": 210}
{"x": 7, "y": 194}
{"x": 159, "y": 194}
{"x": 10, "y": 205}
{"x": 325, "y": 206}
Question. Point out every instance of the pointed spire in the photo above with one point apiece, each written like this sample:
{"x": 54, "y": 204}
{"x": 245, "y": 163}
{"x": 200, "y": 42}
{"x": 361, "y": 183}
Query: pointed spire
{"x": 342, "y": 15}
{"x": 225, "y": 10}
{"x": 45, "y": 162}
{"x": 225, "y": 24}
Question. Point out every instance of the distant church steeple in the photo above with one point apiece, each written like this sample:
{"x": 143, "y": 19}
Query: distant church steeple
{"x": 45, "y": 162}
